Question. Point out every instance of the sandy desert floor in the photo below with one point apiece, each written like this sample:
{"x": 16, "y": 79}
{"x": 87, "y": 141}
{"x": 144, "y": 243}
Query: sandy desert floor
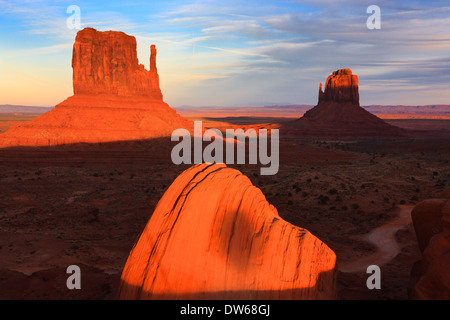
{"x": 87, "y": 204}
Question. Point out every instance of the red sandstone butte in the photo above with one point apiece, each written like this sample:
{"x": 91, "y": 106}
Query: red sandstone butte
{"x": 213, "y": 235}
{"x": 341, "y": 86}
{"x": 107, "y": 63}
{"x": 115, "y": 98}
{"x": 338, "y": 112}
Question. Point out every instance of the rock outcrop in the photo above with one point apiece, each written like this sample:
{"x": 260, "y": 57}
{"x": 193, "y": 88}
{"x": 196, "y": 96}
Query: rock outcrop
{"x": 107, "y": 63}
{"x": 341, "y": 86}
{"x": 431, "y": 219}
{"x": 115, "y": 98}
{"x": 338, "y": 112}
{"x": 213, "y": 235}
{"x": 427, "y": 220}
{"x": 445, "y": 194}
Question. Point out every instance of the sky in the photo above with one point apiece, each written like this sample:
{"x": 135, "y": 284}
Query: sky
{"x": 238, "y": 53}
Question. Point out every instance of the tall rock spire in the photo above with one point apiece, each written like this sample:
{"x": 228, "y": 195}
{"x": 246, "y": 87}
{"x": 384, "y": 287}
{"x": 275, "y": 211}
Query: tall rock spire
{"x": 153, "y": 59}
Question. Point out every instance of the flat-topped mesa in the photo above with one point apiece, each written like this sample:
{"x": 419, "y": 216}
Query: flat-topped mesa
{"x": 106, "y": 63}
{"x": 341, "y": 86}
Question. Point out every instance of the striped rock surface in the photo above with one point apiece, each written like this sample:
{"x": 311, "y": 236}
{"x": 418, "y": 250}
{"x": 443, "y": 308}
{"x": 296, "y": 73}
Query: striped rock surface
{"x": 213, "y": 235}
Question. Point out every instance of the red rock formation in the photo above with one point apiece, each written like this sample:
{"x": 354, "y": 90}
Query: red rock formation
{"x": 445, "y": 194}
{"x": 341, "y": 86}
{"x": 230, "y": 244}
{"x": 338, "y": 112}
{"x": 107, "y": 63}
{"x": 427, "y": 220}
{"x": 114, "y": 99}
{"x": 431, "y": 219}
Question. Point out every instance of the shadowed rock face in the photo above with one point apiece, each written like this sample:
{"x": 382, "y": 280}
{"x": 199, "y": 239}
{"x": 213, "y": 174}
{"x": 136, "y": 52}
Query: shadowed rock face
{"x": 115, "y": 98}
{"x": 107, "y": 63}
{"x": 431, "y": 220}
{"x": 213, "y": 235}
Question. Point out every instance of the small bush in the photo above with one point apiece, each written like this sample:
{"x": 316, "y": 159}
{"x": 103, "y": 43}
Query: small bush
{"x": 323, "y": 199}
{"x": 332, "y": 191}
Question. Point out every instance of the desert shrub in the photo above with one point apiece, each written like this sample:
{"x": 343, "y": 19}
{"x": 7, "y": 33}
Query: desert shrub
{"x": 323, "y": 199}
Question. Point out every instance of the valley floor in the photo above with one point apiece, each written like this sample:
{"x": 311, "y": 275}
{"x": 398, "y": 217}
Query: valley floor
{"x": 87, "y": 204}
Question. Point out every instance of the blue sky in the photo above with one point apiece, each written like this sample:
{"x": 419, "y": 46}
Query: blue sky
{"x": 238, "y": 53}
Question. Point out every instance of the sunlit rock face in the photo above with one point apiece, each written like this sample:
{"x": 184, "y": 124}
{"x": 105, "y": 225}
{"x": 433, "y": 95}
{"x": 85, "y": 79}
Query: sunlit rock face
{"x": 213, "y": 235}
{"x": 341, "y": 86}
{"x": 339, "y": 114}
{"x": 107, "y": 63}
{"x": 115, "y": 98}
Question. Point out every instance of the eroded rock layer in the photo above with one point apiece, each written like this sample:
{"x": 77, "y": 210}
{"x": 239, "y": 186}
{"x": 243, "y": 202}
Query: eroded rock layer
{"x": 213, "y": 235}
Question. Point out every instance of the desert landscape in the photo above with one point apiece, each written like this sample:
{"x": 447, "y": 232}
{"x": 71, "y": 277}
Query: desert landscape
{"x": 92, "y": 182}
{"x": 87, "y": 204}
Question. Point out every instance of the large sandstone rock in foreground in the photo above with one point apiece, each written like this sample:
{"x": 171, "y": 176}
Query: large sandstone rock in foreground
{"x": 427, "y": 220}
{"x": 431, "y": 219}
{"x": 338, "y": 112}
{"x": 213, "y": 235}
{"x": 115, "y": 98}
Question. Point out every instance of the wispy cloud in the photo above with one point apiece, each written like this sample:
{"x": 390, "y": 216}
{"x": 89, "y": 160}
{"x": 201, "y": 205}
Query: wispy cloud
{"x": 42, "y": 50}
{"x": 275, "y": 50}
